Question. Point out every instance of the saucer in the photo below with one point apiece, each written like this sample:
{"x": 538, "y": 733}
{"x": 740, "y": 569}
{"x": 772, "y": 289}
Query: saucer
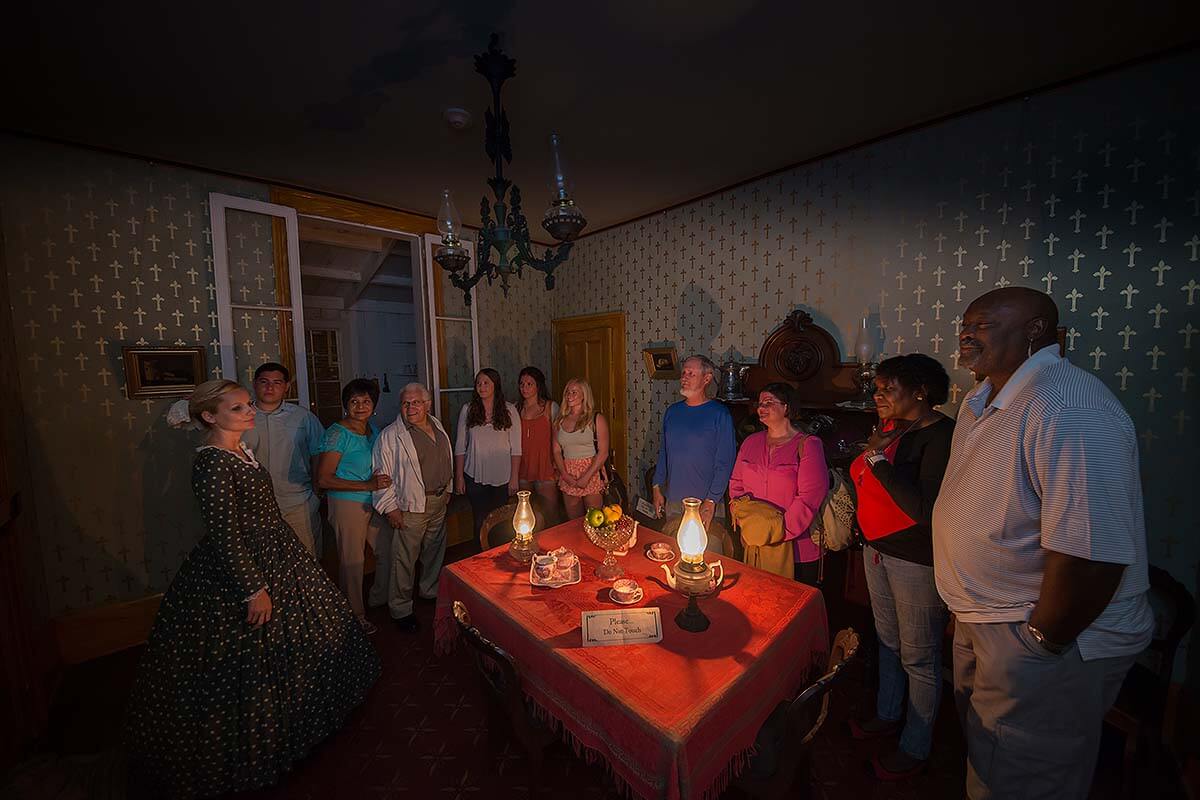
{"x": 668, "y": 557}
{"x": 637, "y": 597}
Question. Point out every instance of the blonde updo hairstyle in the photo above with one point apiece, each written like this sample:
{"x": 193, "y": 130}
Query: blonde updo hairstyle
{"x": 186, "y": 414}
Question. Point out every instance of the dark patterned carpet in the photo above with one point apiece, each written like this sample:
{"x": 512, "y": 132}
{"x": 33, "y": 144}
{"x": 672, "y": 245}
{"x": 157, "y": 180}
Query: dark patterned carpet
{"x": 422, "y": 734}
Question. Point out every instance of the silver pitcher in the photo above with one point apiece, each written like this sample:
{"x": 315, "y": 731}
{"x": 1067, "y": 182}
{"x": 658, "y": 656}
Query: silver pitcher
{"x": 730, "y": 385}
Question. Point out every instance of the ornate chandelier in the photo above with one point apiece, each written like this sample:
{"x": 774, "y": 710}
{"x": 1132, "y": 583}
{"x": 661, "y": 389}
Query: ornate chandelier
{"x": 504, "y": 247}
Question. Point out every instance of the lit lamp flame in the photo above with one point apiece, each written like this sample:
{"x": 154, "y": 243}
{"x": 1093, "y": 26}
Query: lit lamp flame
{"x": 692, "y": 538}
{"x": 523, "y": 521}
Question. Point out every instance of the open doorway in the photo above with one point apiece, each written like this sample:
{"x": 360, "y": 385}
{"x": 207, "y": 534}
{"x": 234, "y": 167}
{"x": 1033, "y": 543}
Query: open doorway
{"x": 362, "y": 312}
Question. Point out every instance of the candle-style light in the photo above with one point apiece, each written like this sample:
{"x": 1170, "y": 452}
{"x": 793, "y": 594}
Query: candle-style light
{"x": 864, "y": 352}
{"x": 522, "y": 547}
{"x": 692, "y": 576}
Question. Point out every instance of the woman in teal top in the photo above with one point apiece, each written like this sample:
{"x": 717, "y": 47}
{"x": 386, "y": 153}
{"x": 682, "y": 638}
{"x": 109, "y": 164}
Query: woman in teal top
{"x": 344, "y": 470}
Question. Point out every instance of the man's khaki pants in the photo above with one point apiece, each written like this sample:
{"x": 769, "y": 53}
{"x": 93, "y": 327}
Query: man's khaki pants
{"x": 423, "y": 536}
{"x": 305, "y": 520}
{"x": 1032, "y": 719}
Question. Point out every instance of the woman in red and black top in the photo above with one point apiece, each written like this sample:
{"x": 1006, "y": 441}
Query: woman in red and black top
{"x": 897, "y": 480}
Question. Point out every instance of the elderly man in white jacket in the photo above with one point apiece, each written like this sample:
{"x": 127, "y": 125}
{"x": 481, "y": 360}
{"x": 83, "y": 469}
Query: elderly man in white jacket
{"x": 414, "y": 451}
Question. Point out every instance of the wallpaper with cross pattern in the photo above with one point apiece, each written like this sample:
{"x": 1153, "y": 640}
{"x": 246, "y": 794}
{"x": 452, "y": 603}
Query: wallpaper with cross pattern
{"x": 104, "y": 252}
{"x": 1091, "y": 193}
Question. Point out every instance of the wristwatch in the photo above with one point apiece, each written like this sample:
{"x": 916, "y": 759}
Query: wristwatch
{"x": 873, "y": 457}
{"x": 1051, "y": 647}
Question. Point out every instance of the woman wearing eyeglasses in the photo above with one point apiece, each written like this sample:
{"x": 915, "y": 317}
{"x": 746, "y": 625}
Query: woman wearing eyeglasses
{"x": 784, "y": 470}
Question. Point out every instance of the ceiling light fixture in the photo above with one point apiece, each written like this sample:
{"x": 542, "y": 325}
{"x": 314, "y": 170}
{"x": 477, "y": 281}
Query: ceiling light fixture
{"x": 504, "y": 228}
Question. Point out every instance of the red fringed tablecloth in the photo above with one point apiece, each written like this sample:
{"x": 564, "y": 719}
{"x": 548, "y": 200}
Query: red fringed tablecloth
{"x": 673, "y": 720}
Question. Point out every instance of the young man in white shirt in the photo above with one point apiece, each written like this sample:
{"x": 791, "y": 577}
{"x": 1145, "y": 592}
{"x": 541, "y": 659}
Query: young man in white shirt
{"x": 286, "y": 439}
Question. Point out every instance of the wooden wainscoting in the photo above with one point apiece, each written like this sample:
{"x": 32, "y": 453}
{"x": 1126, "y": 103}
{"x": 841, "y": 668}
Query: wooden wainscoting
{"x": 97, "y": 632}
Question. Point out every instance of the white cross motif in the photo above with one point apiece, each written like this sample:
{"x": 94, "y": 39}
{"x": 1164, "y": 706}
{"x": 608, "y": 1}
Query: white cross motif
{"x": 1096, "y": 355}
{"x": 1155, "y": 353}
{"x": 1003, "y": 211}
{"x": 1160, "y": 268}
{"x": 1049, "y": 278}
{"x": 938, "y": 273}
{"x": 900, "y": 246}
{"x": 937, "y": 309}
{"x": 1124, "y": 374}
{"x": 1157, "y": 313}
{"x": 1074, "y": 296}
{"x": 900, "y": 309}
{"x": 1152, "y": 395}
{"x": 1125, "y": 333}
{"x": 920, "y": 259}
{"x": 1187, "y": 331}
{"x": 981, "y": 231}
{"x": 1135, "y": 166}
{"x": 920, "y": 293}
{"x": 958, "y": 290}
{"x": 937, "y": 340}
{"x": 1025, "y": 262}
{"x": 1074, "y": 259}
{"x": 1072, "y": 335}
{"x": 1028, "y": 186}
{"x": 1184, "y": 375}
{"x": 1003, "y": 248}
{"x": 939, "y": 239}
{"x": 1104, "y": 233}
{"x": 957, "y": 323}
{"x": 1129, "y": 292}
{"x": 1193, "y": 243}
{"x": 1131, "y": 251}
{"x": 961, "y": 219}
{"x": 1133, "y": 208}
{"x": 1026, "y": 225}
{"x": 979, "y": 268}
{"x": 1104, "y": 194}
{"x": 1053, "y": 202}
{"x": 959, "y": 253}
{"x": 1165, "y": 182}
{"x": 917, "y": 325}
{"x": 900, "y": 276}
{"x": 1162, "y": 226}
{"x": 1100, "y": 314}
{"x": 1077, "y": 218}
{"x": 1049, "y": 242}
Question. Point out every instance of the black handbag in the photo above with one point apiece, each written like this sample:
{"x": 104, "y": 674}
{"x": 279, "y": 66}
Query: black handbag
{"x": 614, "y": 491}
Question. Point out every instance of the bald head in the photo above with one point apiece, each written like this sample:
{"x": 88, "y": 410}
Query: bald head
{"x": 1027, "y": 305}
{"x": 1001, "y": 328}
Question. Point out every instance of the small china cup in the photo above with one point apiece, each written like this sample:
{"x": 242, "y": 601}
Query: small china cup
{"x": 543, "y": 566}
{"x": 625, "y": 589}
{"x": 660, "y": 549}
{"x": 566, "y": 562}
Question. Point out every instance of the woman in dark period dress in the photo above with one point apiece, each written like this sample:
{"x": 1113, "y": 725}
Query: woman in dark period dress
{"x": 255, "y": 655}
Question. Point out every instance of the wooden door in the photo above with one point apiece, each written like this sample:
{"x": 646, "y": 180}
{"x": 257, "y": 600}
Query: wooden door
{"x": 593, "y": 348}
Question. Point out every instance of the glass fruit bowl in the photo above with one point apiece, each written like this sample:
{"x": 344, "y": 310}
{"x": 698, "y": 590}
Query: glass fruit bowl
{"x": 611, "y": 537}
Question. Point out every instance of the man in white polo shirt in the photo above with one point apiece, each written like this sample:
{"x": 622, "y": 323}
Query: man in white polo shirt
{"x": 1039, "y": 551}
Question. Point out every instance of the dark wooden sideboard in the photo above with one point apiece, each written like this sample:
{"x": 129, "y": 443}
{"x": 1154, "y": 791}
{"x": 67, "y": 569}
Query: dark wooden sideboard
{"x": 803, "y": 354}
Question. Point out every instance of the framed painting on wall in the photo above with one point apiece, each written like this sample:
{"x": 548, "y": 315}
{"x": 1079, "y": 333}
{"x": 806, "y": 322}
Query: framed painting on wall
{"x": 662, "y": 362}
{"x": 163, "y": 371}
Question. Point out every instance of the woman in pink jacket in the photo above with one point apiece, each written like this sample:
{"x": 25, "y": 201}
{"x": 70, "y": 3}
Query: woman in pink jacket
{"x": 786, "y": 468}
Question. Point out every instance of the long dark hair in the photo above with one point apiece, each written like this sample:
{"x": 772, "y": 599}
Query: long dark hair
{"x": 475, "y": 413}
{"x": 543, "y": 392}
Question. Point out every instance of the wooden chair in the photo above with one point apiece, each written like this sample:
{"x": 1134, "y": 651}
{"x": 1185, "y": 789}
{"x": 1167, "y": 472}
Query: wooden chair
{"x": 783, "y": 740}
{"x": 1141, "y": 704}
{"x": 509, "y": 712}
{"x": 499, "y": 523}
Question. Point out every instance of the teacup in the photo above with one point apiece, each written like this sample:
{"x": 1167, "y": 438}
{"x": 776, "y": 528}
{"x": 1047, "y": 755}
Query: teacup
{"x": 566, "y": 562}
{"x": 660, "y": 550}
{"x": 543, "y": 566}
{"x": 625, "y": 589}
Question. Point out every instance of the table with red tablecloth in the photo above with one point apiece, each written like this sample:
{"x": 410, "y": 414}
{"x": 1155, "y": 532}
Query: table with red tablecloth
{"x": 673, "y": 720}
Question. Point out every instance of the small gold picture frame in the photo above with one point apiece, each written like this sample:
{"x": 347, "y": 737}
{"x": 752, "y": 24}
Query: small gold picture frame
{"x": 662, "y": 363}
{"x": 163, "y": 371}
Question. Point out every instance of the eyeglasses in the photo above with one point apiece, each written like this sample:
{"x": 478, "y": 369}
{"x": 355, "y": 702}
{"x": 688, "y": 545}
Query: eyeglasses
{"x": 769, "y": 403}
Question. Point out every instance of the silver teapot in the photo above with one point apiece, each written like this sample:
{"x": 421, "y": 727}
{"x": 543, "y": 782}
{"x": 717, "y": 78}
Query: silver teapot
{"x": 729, "y": 386}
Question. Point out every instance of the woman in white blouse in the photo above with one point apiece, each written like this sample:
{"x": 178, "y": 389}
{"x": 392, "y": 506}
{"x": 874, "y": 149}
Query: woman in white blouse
{"x": 487, "y": 449}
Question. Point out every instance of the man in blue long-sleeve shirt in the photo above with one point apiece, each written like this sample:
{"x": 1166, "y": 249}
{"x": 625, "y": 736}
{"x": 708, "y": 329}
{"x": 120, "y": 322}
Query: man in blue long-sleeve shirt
{"x": 696, "y": 452}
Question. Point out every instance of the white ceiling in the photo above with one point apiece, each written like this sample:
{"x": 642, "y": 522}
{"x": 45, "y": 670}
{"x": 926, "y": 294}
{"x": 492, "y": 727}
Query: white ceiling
{"x": 657, "y": 102}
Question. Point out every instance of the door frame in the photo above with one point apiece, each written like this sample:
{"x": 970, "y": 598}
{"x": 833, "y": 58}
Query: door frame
{"x": 617, "y": 422}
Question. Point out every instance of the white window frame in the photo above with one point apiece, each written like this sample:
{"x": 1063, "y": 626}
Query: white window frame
{"x": 217, "y": 205}
{"x": 432, "y": 241}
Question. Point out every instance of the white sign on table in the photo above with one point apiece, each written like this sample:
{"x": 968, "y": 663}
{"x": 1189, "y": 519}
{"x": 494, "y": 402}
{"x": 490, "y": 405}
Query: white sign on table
{"x": 627, "y": 626}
